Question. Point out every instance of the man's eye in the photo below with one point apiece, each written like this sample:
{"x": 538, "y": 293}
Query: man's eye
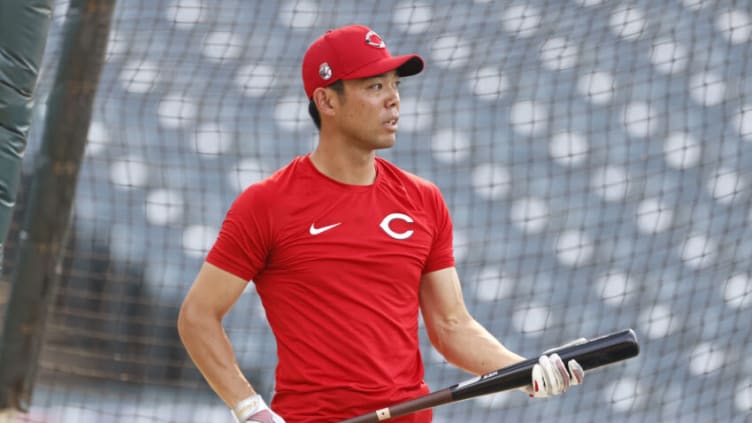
{"x": 377, "y": 86}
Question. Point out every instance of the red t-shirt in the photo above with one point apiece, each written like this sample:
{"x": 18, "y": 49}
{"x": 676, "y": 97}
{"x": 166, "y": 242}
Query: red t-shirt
{"x": 338, "y": 269}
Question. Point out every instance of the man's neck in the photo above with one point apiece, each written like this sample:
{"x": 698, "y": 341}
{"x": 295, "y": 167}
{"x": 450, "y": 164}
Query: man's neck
{"x": 348, "y": 166}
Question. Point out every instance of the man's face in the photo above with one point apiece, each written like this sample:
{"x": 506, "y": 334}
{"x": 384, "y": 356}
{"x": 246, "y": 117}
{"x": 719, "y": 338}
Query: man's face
{"x": 369, "y": 111}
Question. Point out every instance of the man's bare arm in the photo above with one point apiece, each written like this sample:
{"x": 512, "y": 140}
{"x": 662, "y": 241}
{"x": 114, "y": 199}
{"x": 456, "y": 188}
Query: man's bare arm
{"x": 454, "y": 332}
{"x": 468, "y": 345}
{"x": 212, "y": 295}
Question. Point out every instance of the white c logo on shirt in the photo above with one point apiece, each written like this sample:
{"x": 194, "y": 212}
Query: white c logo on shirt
{"x": 396, "y": 235}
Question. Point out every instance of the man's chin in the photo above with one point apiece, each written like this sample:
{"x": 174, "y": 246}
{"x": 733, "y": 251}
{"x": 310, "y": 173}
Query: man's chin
{"x": 387, "y": 142}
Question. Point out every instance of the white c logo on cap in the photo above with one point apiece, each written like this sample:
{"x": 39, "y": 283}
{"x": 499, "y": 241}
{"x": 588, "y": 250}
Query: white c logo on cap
{"x": 396, "y": 235}
{"x": 374, "y": 40}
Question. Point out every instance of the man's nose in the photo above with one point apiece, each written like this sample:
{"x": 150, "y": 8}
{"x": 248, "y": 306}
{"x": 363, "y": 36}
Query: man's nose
{"x": 394, "y": 97}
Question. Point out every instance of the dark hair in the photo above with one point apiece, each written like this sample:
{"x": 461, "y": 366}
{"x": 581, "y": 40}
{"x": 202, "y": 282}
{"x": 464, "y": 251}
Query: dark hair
{"x": 339, "y": 87}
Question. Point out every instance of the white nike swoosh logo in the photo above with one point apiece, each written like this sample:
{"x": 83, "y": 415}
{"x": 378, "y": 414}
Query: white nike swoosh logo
{"x": 315, "y": 231}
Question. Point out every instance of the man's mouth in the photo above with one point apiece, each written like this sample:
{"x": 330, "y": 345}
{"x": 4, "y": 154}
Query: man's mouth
{"x": 391, "y": 124}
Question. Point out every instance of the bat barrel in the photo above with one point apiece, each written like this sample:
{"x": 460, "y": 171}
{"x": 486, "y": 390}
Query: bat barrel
{"x": 597, "y": 352}
{"x": 604, "y": 350}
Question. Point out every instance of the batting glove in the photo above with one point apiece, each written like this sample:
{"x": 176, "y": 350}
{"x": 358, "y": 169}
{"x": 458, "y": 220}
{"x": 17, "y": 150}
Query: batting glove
{"x": 254, "y": 410}
{"x": 551, "y": 377}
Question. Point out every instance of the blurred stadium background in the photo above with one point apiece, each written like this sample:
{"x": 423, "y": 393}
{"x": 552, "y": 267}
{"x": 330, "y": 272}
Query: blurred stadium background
{"x": 596, "y": 157}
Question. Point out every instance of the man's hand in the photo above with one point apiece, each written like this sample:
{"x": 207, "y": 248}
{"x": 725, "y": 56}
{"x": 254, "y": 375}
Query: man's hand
{"x": 254, "y": 410}
{"x": 551, "y": 377}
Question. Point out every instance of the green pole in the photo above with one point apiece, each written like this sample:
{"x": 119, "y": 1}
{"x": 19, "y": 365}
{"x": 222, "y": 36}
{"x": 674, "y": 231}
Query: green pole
{"x": 23, "y": 35}
{"x": 50, "y": 199}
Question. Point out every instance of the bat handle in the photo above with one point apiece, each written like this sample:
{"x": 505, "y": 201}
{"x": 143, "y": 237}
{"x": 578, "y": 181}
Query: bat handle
{"x": 369, "y": 418}
{"x": 425, "y": 402}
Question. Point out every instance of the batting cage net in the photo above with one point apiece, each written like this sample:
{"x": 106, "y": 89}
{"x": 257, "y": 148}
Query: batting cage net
{"x": 595, "y": 156}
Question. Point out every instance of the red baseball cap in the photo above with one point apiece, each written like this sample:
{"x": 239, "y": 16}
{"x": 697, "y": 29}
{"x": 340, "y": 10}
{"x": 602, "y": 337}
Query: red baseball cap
{"x": 352, "y": 52}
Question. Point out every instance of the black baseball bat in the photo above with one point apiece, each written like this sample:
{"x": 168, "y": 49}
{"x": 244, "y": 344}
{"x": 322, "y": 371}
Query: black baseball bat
{"x": 597, "y": 352}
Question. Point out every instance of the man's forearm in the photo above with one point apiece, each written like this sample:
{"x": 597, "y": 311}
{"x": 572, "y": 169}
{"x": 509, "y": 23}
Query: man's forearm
{"x": 469, "y": 346}
{"x": 210, "y": 349}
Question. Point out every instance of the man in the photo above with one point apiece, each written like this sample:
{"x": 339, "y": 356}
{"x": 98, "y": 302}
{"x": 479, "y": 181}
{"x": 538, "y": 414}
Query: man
{"x": 345, "y": 249}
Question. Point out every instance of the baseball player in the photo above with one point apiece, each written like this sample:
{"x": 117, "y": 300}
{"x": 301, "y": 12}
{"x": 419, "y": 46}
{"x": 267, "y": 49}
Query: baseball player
{"x": 345, "y": 250}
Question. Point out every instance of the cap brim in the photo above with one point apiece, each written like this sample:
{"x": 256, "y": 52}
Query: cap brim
{"x": 406, "y": 65}
{"x": 412, "y": 66}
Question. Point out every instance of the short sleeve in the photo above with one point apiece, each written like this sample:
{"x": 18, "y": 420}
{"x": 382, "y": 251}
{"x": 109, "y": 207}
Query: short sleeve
{"x": 244, "y": 239}
{"x": 441, "y": 255}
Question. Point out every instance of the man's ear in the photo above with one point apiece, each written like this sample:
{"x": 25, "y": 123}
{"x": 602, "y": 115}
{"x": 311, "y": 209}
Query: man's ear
{"x": 325, "y": 101}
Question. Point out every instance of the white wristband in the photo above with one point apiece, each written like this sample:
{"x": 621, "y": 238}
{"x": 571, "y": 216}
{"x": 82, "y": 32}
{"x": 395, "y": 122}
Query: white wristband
{"x": 248, "y": 407}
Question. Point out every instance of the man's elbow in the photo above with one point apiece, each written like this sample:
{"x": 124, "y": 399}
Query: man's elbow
{"x": 189, "y": 318}
{"x": 442, "y": 332}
